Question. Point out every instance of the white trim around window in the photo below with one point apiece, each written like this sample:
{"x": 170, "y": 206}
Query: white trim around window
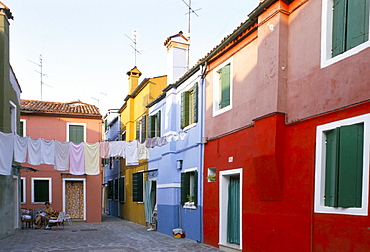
{"x": 23, "y": 192}
{"x": 319, "y": 206}
{"x": 326, "y": 37}
{"x": 33, "y": 193}
{"x": 80, "y": 124}
{"x": 217, "y": 91}
{"x": 13, "y": 116}
{"x": 24, "y": 121}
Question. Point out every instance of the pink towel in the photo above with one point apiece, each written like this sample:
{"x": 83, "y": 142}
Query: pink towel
{"x": 76, "y": 158}
{"x": 104, "y": 149}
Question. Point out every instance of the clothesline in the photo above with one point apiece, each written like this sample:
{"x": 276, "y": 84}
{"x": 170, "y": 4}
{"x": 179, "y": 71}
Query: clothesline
{"x": 79, "y": 159}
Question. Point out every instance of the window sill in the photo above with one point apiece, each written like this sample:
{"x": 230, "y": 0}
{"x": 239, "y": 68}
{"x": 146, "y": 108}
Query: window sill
{"x": 190, "y": 126}
{"x": 189, "y": 205}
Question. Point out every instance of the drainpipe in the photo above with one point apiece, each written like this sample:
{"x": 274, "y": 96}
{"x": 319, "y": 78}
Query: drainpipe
{"x": 119, "y": 164}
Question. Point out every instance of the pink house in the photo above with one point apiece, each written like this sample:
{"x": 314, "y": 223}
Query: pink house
{"x": 78, "y": 195}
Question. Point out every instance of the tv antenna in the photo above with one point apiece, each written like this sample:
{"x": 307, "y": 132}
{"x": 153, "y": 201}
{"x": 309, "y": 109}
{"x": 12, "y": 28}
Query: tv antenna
{"x": 134, "y": 34}
{"x": 190, "y": 11}
{"x": 41, "y": 74}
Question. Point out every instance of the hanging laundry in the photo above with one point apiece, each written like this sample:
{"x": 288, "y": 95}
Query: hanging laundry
{"x": 91, "y": 158}
{"x": 47, "y": 152}
{"x": 20, "y": 148}
{"x": 162, "y": 141}
{"x": 76, "y": 158}
{"x": 142, "y": 151}
{"x": 6, "y": 153}
{"x": 117, "y": 149}
{"x": 34, "y": 151}
{"x": 131, "y": 153}
{"x": 61, "y": 156}
{"x": 104, "y": 150}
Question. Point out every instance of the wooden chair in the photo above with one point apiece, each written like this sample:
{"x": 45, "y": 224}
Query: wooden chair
{"x": 26, "y": 218}
{"x": 58, "y": 223}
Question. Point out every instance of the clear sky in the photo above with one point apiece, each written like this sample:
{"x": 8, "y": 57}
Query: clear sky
{"x": 85, "y": 47}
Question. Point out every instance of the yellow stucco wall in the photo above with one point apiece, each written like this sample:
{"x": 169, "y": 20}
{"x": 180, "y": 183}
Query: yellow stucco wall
{"x": 134, "y": 109}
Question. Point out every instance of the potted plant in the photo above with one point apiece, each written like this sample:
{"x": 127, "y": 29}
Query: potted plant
{"x": 211, "y": 177}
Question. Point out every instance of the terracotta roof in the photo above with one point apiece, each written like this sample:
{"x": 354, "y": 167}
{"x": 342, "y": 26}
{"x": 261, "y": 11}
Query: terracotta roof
{"x": 70, "y": 108}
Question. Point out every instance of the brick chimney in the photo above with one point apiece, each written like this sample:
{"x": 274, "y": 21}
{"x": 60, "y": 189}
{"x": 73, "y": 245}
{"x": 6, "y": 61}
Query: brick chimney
{"x": 177, "y": 56}
{"x": 133, "y": 79}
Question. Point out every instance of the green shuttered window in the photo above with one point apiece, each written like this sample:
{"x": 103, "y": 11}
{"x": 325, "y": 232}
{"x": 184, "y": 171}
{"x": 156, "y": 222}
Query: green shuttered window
{"x": 121, "y": 190}
{"x": 154, "y": 125}
{"x": 350, "y": 24}
{"x": 76, "y": 133}
{"x": 40, "y": 190}
{"x": 189, "y": 106}
{"x": 137, "y": 187}
{"x": 343, "y": 167}
{"x": 141, "y": 129}
{"x": 189, "y": 187}
{"x": 224, "y": 74}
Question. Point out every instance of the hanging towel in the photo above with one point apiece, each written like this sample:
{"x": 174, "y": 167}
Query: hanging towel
{"x": 91, "y": 158}
{"x": 20, "y": 148}
{"x": 142, "y": 151}
{"x": 61, "y": 156}
{"x": 76, "y": 158}
{"x": 104, "y": 150}
{"x": 162, "y": 141}
{"x": 117, "y": 149}
{"x": 47, "y": 152}
{"x": 34, "y": 151}
{"x": 6, "y": 153}
{"x": 131, "y": 153}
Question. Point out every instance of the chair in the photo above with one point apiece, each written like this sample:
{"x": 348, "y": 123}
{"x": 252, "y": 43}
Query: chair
{"x": 58, "y": 223}
{"x": 68, "y": 218}
{"x": 26, "y": 218}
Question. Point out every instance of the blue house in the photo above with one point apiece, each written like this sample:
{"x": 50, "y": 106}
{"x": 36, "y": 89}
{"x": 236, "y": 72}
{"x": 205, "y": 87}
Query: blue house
{"x": 177, "y": 116}
{"x": 111, "y": 165}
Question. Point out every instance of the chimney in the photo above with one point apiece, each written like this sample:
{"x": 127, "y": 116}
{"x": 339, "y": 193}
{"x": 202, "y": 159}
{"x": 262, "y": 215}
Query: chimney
{"x": 177, "y": 56}
{"x": 133, "y": 79}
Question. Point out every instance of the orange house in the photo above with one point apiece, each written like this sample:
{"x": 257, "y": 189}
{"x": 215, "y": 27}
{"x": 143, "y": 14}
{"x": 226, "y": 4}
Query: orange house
{"x": 78, "y": 195}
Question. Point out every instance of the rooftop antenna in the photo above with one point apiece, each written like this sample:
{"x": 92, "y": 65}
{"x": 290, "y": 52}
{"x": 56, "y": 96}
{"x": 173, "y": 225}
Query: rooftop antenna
{"x": 134, "y": 35}
{"x": 190, "y": 11}
{"x": 41, "y": 74}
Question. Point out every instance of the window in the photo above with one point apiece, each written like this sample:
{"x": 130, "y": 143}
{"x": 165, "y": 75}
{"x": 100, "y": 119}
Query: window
{"x": 41, "y": 190}
{"x": 121, "y": 189}
{"x": 76, "y": 132}
{"x": 141, "y": 129}
{"x": 189, "y": 187}
{"x": 222, "y": 88}
{"x": 189, "y": 106}
{"x": 342, "y": 166}
{"x": 22, "y": 128}
{"x": 137, "y": 187}
{"x": 345, "y": 26}
{"x": 115, "y": 189}
{"x": 13, "y": 117}
{"x": 23, "y": 190}
{"x": 110, "y": 189}
{"x": 154, "y": 125}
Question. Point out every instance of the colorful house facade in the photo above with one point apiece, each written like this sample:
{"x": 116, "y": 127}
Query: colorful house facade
{"x": 9, "y": 124}
{"x": 75, "y": 122}
{"x": 287, "y": 122}
{"x": 177, "y": 115}
{"x": 133, "y": 116}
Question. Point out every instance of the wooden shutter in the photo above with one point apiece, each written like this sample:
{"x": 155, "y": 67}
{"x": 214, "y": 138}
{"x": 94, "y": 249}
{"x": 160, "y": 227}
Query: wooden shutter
{"x": 357, "y": 22}
{"x": 116, "y": 189}
{"x": 331, "y": 168}
{"x": 21, "y": 128}
{"x": 350, "y": 165}
{"x": 339, "y": 26}
{"x": 41, "y": 190}
{"x": 158, "y": 122}
{"x": 143, "y": 129}
{"x": 138, "y": 130}
{"x": 233, "y": 211}
{"x": 195, "y": 103}
{"x": 137, "y": 187}
{"x": 151, "y": 126}
{"x": 184, "y": 109}
{"x": 76, "y": 133}
{"x": 121, "y": 190}
{"x": 225, "y": 86}
{"x": 195, "y": 189}
{"x": 110, "y": 190}
{"x": 185, "y": 187}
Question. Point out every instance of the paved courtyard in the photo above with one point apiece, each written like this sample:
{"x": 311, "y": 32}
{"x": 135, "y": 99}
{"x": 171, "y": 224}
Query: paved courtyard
{"x": 112, "y": 234}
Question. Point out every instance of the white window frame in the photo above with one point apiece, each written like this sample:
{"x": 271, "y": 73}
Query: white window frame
{"x": 13, "y": 116}
{"x": 33, "y": 193}
{"x": 78, "y": 124}
{"x": 216, "y": 88}
{"x": 224, "y": 178}
{"x": 24, "y": 121}
{"x": 23, "y": 182}
{"x": 319, "y": 206}
{"x": 326, "y": 37}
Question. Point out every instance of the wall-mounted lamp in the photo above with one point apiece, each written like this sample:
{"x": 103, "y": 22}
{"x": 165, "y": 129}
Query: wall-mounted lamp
{"x": 179, "y": 164}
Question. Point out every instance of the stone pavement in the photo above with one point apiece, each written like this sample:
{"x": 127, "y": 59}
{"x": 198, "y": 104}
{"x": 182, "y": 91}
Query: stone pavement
{"x": 113, "y": 234}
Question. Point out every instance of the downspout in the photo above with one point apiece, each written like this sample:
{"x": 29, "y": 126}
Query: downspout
{"x": 202, "y": 106}
{"x": 119, "y": 164}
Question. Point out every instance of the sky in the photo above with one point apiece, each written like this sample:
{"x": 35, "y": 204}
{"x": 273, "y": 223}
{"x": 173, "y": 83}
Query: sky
{"x": 86, "y": 46}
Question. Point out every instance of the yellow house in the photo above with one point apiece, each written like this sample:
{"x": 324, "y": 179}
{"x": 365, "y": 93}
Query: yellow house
{"x": 133, "y": 116}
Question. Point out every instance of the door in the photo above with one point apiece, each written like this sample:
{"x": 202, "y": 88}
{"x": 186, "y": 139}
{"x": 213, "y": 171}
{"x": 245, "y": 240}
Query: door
{"x": 74, "y": 199}
{"x": 233, "y": 211}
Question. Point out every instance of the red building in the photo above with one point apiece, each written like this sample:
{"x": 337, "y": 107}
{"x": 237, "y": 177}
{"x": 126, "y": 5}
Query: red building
{"x": 78, "y": 195}
{"x": 288, "y": 123}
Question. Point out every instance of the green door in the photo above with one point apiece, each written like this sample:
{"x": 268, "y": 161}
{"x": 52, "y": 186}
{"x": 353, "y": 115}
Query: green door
{"x": 233, "y": 211}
